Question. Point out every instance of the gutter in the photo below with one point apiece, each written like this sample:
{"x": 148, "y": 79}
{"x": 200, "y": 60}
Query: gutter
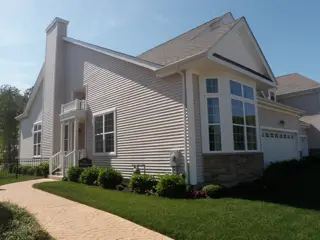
{"x": 273, "y": 104}
{"x": 184, "y": 102}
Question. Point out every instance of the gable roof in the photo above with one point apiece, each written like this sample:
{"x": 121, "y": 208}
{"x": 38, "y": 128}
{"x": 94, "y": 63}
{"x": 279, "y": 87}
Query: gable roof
{"x": 197, "y": 40}
{"x": 294, "y": 82}
{"x": 115, "y": 54}
{"x": 33, "y": 94}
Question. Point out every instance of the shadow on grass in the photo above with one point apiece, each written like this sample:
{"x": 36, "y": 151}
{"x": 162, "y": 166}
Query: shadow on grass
{"x": 294, "y": 183}
{"x": 6, "y": 216}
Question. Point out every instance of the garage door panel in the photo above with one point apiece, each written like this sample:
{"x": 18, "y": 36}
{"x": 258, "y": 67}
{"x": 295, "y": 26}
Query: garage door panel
{"x": 279, "y": 146}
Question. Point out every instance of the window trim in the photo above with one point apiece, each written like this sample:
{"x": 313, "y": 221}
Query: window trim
{"x": 33, "y": 144}
{"x": 102, "y": 113}
{"x": 255, "y": 104}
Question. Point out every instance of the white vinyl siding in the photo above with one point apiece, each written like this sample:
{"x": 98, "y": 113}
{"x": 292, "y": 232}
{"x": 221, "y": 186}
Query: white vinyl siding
{"x": 26, "y": 126}
{"x": 149, "y": 110}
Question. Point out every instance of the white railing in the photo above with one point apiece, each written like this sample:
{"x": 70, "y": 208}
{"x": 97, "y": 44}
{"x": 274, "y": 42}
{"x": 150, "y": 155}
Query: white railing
{"x": 55, "y": 162}
{"x": 68, "y": 162}
{"x": 73, "y": 105}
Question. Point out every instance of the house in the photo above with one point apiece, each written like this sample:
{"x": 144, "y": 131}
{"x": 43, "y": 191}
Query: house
{"x": 301, "y": 92}
{"x": 199, "y": 104}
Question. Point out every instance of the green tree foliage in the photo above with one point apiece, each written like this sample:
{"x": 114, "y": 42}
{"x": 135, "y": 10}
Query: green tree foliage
{"x": 12, "y": 103}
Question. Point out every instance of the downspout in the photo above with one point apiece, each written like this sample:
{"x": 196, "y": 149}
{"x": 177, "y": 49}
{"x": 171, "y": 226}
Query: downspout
{"x": 184, "y": 102}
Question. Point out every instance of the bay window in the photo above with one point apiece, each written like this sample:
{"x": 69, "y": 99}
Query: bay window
{"x": 37, "y": 130}
{"x": 243, "y": 117}
{"x": 105, "y": 132}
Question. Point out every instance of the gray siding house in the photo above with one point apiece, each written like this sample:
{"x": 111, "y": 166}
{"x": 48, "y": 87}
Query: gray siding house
{"x": 197, "y": 104}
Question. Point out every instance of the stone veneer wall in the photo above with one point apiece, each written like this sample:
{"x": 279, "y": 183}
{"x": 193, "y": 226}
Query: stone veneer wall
{"x": 231, "y": 169}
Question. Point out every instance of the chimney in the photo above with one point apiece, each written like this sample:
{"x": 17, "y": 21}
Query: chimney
{"x": 53, "y": 85}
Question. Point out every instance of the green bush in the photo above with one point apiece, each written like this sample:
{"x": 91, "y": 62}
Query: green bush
{"x": 25, "y": 169}
{"x": 31, "y": 171}
{"x": 43, "y": 169}
{"x": 279, "y": 172}
{"x": 212, "y": 190}
{"x": 90, "y": 175}
{"x": 74, "y": 173}
{"x": 109, "y": 178}
{"x": 141, "y": 183}
{"x": 172, "y": 186}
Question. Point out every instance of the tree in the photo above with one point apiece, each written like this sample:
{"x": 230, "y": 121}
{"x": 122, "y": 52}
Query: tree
{"x": 12, "y": 103}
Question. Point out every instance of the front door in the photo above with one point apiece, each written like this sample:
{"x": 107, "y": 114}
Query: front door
{"x": 66, "y": 138}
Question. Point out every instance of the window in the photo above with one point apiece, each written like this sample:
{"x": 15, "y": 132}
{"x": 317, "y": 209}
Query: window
{"x": 243, "y": 117}
{"x": 104, "y": 132}
{"x": 37, "y": 139}
{"x": 213, "y": 114}
{"x": 272, "y": 96}
{"x": 212, "y": 85}
{"x": 214, "y": 124}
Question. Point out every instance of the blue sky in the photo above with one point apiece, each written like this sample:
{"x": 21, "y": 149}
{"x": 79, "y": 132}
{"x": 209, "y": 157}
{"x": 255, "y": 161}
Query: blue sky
{"x": 287, "y": 31}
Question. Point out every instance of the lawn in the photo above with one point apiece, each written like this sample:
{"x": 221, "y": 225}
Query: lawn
{"x": 16, "y": 223}
{"x": 13, "y": 179}
{"x": 225, "y": 218}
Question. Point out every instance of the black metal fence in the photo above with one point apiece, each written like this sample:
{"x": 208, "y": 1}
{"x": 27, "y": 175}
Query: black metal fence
{"x": 18, "y": 168}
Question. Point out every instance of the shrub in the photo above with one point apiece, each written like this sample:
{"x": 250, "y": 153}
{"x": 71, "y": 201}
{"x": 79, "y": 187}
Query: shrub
{"x": 74, "y": 173}
{"x": 109, "y": 178}
{"x": 211, "y": 190}
{"x": 90, "y": 175}
{"x": 198, "y": 194}
{"x": 172, "y": 186}
{"x": 141, "y": 183}
{"x": 31, "y": 171}
{"x": 25, "y": 169}
{"x": 43, "y": 169}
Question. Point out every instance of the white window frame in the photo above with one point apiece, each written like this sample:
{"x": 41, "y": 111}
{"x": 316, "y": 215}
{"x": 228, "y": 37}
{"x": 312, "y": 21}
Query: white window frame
{"x": 99, "y": 114}
{"x": 205, "y": 123}
{"x": 38, "y": 143}
{"x": 244, "y": 125}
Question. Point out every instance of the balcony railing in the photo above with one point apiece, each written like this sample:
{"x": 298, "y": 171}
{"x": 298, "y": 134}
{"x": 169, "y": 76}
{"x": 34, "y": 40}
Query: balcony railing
{"x": 74, "y": 105}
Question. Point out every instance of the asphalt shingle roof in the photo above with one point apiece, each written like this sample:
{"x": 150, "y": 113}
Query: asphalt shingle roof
{"x": 294, "y": 82}
{"x": 190, "y": 43}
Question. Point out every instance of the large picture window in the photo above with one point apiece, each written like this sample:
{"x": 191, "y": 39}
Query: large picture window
{"x": 213, "y": 114}
{"x": 243, "y": 116}
{"x": 104, "y": 132}
{"x": 37, "y": 129}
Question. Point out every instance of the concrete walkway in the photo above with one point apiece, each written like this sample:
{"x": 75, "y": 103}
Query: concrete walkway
{"x": 65, "y": 219}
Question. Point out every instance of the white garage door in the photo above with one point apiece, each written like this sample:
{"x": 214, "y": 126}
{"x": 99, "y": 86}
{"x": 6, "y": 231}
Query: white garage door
{"x": 279, "y": 146}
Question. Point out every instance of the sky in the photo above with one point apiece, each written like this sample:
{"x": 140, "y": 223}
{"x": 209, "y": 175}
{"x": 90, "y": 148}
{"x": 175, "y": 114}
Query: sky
{"x": 287, "y": 31}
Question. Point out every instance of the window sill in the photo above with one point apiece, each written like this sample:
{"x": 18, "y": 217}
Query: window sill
{"x": 232, "y": 153}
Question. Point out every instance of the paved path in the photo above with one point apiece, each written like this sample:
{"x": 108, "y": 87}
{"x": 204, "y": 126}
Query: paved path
{"x": 65, "y": 219}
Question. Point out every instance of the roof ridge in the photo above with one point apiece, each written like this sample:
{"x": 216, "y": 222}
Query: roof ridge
{"x": 216, "y": 18}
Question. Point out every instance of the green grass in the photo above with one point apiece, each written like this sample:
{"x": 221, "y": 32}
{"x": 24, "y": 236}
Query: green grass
{"x": 225, "y": 218}
{"x": 18, "y": 224}
{"x": 13, "y": 179}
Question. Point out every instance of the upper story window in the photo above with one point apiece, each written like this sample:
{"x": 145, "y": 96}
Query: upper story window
{"x": 37, "y": 130}
{"x": 105, "y": 132}
{"x": 272, "y": 95}
{"x": 213, "y": 113}
{"x": 243, "y": 116}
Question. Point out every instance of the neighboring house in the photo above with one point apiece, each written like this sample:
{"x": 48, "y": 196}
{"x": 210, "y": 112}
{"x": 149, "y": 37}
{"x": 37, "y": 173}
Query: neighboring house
{"x": 301, "y": 92}
{"x": 188, "y": 105}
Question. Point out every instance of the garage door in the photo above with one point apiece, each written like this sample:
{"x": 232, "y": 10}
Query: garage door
{"x": 279, "y": 146}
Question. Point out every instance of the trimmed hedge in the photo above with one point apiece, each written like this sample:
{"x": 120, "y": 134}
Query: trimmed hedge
{"x": 141, "y": 183}
{"x": 90, "y": 175}
{"x": 172, "y": 186}
{"x": 109, "y": 178}
{"x": 74, "y": 173}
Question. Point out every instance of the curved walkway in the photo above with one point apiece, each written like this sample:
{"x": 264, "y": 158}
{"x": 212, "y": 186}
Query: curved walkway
{"x": 65, "y": 219}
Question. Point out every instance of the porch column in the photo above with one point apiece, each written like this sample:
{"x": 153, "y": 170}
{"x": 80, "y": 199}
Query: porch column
{"x": 75, "y": 142}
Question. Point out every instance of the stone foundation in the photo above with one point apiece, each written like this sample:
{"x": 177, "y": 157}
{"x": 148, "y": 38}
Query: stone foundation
{"x": 232, "y": 169}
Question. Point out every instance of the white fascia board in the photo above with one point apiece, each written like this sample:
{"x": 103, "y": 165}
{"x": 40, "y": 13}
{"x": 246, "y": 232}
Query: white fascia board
{"x": 115, "y": 54}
